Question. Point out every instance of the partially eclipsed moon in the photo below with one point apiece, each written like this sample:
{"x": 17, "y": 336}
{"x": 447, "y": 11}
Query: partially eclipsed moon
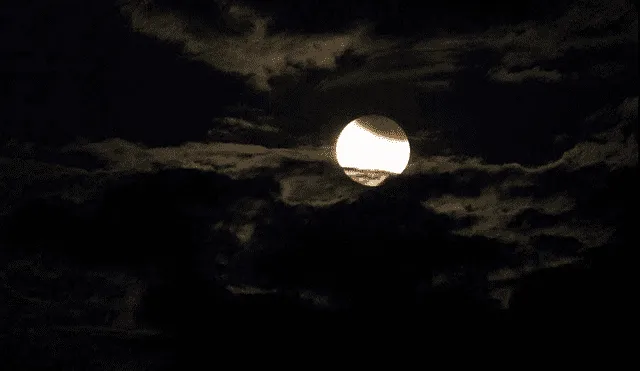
{"x": 371, "y": 148}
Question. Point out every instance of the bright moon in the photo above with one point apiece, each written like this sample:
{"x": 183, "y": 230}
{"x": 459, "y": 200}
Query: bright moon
{"x": 371, "y": 148}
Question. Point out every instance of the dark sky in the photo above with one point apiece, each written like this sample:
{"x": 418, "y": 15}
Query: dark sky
{"x": 212, "y": 122}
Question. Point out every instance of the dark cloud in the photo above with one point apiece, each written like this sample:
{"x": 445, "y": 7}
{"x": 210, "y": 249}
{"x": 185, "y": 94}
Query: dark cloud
{"x": 187, "y": 224}
{"x": 307, "y": 175}
{"x": 489, "y": 200}
{"x": 256, "y": 53}
{"x": 533, "y": 74}
{"x": 167, "y": 169}
{"x": 429, "y": 62}
{"x": 241, "y": 124}
{"x": 299, "y": 238}
{"x": 522, "y": 118}
{"x": 516, "y": 203}
{"x": 533, "y": 219}
{"x": 278, "y": 54}
{"x": 615, "y": 144}
{"x": 25, "y": 178}
{"x": 433, "y": 81}
{"x": 411, "y": 79}
{"x": 239, "y": 130}
{"x": 137, "y": 219}
{"x": 582, "y": 26}
{"x": 35, "y": 291}
{"x": 567, "y": 246}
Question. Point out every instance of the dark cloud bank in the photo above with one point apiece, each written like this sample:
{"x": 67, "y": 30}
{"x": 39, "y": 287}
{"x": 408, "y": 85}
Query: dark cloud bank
{"x": 142, "y": 209}
{"x": 180, "y": 238}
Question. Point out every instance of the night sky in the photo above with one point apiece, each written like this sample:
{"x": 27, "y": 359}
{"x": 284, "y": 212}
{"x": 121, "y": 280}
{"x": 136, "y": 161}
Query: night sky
{"x": 167, "y": 168}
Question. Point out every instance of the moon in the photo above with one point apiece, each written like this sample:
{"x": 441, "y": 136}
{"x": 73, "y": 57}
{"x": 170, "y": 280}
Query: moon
{"x": 372, "y": 148}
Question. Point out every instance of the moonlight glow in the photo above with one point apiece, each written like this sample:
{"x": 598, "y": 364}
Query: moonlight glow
{"x": 371, "y": 148}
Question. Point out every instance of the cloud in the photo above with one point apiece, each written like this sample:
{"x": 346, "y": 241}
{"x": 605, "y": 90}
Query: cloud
{"x": 584, "y": 27}
{"x": 248, "y": 290}
{"x": 533, "y": 207}
{"x": 526, "y": 50}
{"x": 24, "y": 178}
{"x": 256, "y": 54}
{"x": 241, "y": 217}
{"x": 307, "y": 175}
{"x": 239, "y": 130}
{"x": 526, "y": 208}
{"x": 319, "y": 190}
{"x": 616, "y": 153}
{"x": 494, "y": 214}
{"x": 92, "y": 303}
{"x": 494, "y": 195}
{"x": 294, "y": 215}
{"x": 616, "y": 146}
{"x": 628, "y": 109}
{"x": 491, "y": 194}
{"x": 434, "y": 85}
{"x": 419, "y": 75}
{"x": 536, "y": 73}
{"x": 429, "y": 64}
{"x": 607, "y": 70}
{"x": 232, "y": 123}
{"x": 519, "y": 204}
{"x": 122, "y": 155}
